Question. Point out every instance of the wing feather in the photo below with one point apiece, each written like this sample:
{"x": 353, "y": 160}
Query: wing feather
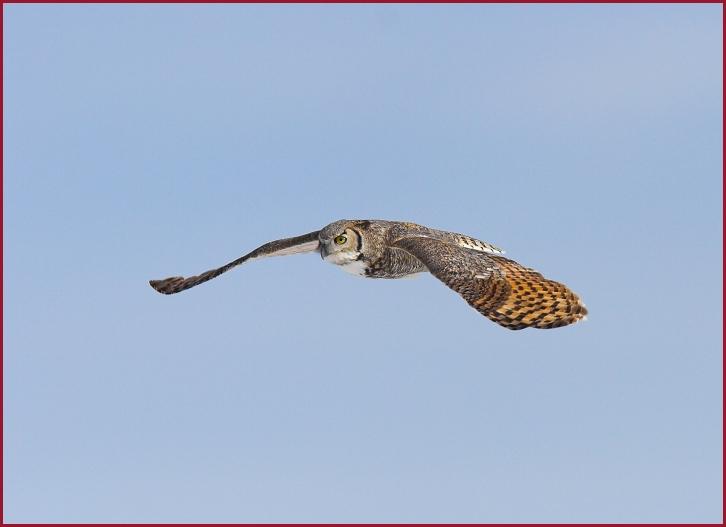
{"x": 299, "y": 244}
{"x": 511, "y": 295}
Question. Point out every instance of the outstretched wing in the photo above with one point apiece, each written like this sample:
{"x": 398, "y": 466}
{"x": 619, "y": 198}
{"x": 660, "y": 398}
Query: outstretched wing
{"x": 502, "y": 290}
{"x": 299, "y": 244}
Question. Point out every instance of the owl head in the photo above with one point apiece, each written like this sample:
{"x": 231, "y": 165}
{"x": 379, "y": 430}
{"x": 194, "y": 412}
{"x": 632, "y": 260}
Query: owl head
{"x": 342, "y": 242}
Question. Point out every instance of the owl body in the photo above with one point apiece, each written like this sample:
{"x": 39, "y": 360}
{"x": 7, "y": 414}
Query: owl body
{"x": 375, "y": 254}
{"x": 511, "y": 295}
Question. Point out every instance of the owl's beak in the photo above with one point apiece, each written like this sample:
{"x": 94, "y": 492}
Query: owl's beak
{"x": 323, "y": 252}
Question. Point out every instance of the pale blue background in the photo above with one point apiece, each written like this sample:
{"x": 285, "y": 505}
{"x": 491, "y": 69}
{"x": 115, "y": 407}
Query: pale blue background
{"x": 145, "y": 141}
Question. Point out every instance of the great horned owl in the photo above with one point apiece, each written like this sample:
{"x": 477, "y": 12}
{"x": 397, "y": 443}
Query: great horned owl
{"x": 502, "y": 290}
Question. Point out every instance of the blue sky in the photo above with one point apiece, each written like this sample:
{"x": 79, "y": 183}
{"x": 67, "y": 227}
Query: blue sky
{"x": 143, "y": 141}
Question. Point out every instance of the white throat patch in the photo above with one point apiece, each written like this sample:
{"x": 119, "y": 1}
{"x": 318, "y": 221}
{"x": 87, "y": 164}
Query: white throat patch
{"x": 356, "y": 267}
{"x": 348, "y": 263}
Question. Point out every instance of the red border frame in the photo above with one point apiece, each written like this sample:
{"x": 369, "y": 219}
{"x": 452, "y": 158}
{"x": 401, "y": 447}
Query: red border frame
{"x": 2, "y": 92}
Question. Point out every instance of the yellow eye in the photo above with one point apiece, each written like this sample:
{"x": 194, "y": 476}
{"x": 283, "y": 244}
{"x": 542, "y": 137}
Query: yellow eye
{"x": 340, "y": 240}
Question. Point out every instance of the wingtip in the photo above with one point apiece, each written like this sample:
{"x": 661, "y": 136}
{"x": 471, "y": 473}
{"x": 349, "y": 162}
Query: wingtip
{"x": 166, "y": 285}
{"x": 582, "y": 317}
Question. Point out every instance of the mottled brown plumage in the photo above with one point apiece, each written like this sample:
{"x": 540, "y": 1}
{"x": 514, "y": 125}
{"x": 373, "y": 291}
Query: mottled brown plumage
{"x": 511, "y": 295}
{"x": 501, "y": 289}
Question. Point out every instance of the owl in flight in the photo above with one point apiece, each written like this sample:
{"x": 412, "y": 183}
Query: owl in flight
{"x": 511, "y": 295}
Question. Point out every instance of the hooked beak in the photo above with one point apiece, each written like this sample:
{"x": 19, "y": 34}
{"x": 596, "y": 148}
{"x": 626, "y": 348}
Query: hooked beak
{"x": 323, "y": 252}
